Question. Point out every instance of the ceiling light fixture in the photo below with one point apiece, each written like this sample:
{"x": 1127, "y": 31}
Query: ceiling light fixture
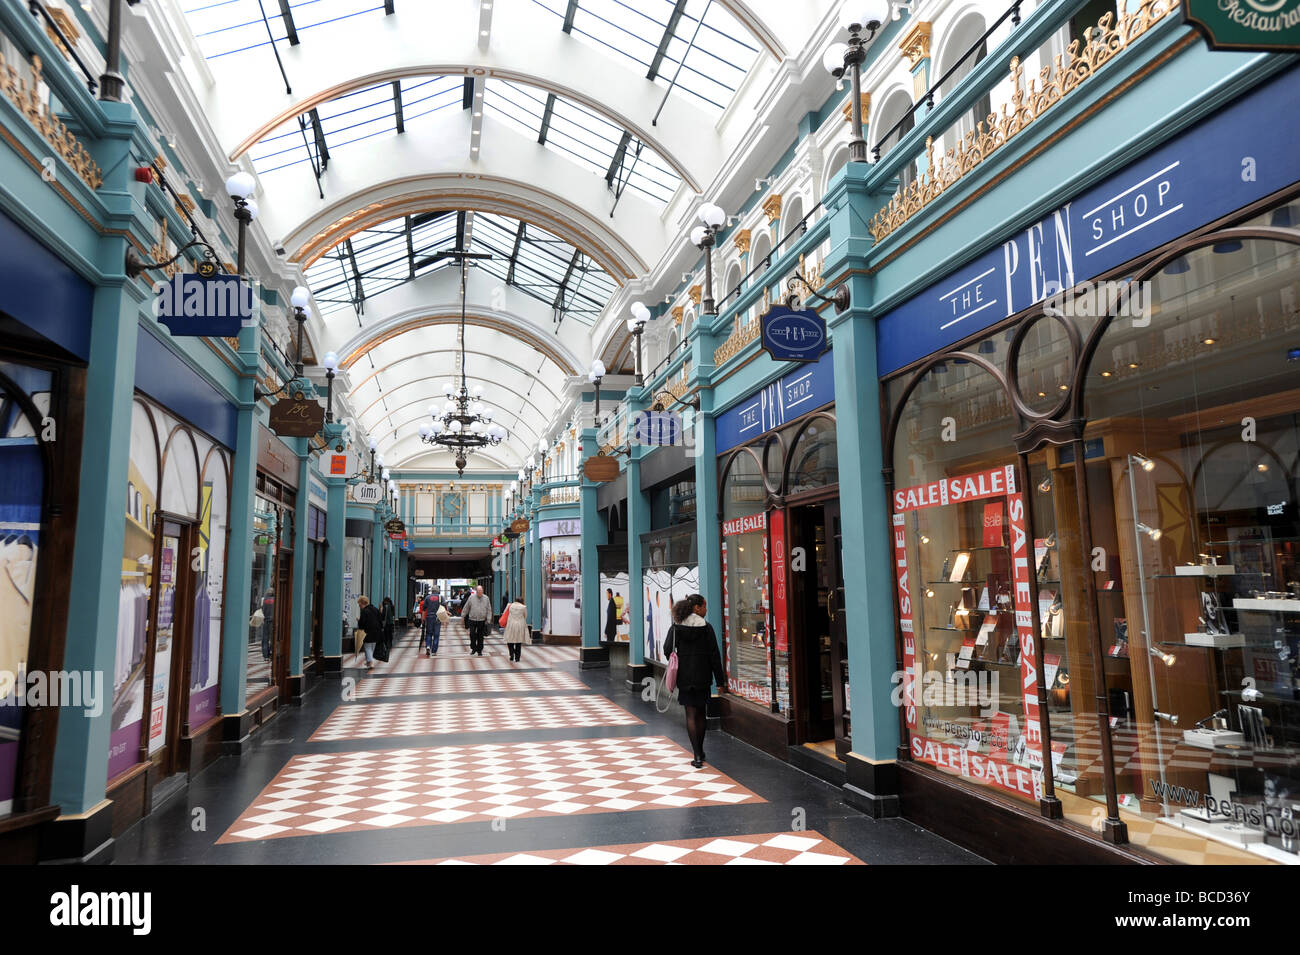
{"x": 464, "y": 424}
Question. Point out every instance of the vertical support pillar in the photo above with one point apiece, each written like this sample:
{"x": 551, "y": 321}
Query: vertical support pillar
{"x": 300, "y": 622}
{"x": 708, "y": 510}
{"x": 869, "y": 589}
{"x": 331, "y": 613}
{"x": 638, "y": 523}
{"x": 533, "y": 559}
{"x": 376, "y": 582}
{"x": 236, "y": 719}
{"x": 82, "y": 747}
{"x": 594, "y": 652}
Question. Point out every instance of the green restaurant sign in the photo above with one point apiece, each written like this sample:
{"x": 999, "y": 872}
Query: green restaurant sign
{"x": 1246, "y": 24}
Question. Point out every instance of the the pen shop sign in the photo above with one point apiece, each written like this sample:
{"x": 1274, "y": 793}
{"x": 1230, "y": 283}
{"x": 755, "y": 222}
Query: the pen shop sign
{"x": 297, "y": 417}
{"x": 1270, "y": 25}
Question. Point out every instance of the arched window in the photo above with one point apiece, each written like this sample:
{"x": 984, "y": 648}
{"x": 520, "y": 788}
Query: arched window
{"x": 894, "y": 109}
{"x": 813, "y": 461}
{"x": 964, "y": 34}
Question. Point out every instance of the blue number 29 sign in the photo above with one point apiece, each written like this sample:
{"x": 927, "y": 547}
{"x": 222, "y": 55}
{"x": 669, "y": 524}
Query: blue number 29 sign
{"x": 794, "y": 335}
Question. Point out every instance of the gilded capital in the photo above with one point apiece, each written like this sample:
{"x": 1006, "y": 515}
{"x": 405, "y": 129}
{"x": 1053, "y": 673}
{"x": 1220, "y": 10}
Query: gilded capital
{"x": 915, "y": 43}
{"x": 772, "y": 207}
{"x": 742, "y": 241}
{"x": 696, "y": 293}
{"x": 678, "y": 311}
{"x": 847, "y": 108}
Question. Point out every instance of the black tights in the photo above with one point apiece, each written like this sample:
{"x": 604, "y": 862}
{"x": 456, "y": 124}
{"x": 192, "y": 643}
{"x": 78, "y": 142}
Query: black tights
{"x": 695, "y": 729}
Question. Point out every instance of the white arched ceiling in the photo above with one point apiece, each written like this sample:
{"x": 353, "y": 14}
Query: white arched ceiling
{"x": 420, "y": 39}
{"x": 430, "y": 168}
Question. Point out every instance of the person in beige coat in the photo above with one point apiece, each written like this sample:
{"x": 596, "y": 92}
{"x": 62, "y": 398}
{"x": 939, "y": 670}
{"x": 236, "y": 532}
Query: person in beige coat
{"x": 516, "y": 629}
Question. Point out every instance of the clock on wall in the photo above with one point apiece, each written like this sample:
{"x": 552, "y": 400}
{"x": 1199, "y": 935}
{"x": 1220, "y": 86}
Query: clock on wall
{"x": 452, "y": 505}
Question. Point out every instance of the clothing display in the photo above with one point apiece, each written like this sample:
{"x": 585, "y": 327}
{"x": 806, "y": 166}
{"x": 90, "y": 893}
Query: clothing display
{"x": 201, "y": 646}
{"x": 132, "y": 627}
{"x": 17, "y": 577}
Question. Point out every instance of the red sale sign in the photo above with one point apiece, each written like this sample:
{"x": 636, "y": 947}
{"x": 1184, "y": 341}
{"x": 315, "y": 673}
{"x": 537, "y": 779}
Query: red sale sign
{"x": 745, "y": 525}
{"x": 779, "y": 581}
{"x": 960, "y": 761}
{"x": 905, "y": 622}
{"x": 998, "y": 482}
{"x": 1025, "y": 627}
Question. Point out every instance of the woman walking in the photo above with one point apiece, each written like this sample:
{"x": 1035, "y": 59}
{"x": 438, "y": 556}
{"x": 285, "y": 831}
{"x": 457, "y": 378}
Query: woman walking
{"x": 698, "y": 665}
{"x": 371, "y": 622}
{"x": 516, "y": 629}
{"x": 389, "y": 613}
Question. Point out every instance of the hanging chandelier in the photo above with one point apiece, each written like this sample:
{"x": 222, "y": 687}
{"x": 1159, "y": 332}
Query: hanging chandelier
{"x": 463, "y": 424}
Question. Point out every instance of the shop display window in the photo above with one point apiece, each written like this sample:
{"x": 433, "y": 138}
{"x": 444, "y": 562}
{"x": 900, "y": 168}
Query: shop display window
{"x": 22, "y": 482}
{"x": 745, "y": 599}
{"x": 1145, "y": 538}
{"x": 1194, "y": 421}
{"x": 670, "y": 570}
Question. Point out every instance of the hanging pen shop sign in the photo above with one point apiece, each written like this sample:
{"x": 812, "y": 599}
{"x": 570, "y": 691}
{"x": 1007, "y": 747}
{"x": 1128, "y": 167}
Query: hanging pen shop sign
{"x": 197, "y": 305}
{"x": 795, "y": 334}
{"x": 1269, "y": 25}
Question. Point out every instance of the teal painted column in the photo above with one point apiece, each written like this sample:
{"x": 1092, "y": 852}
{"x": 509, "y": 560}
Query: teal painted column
{"x": 239, "y": 556}
{"x": 300, "y": 619}
{"x": 377, "y": 582}
{"x": 81, "y": 751}
{"x": 638, "y": 522}
{"x": 533, "y": 560}
{"x": 869, "y": 592}
{"x": 708, "y": 510}
{"x": 336, "y": 495}
{"x": 594, "y": 653}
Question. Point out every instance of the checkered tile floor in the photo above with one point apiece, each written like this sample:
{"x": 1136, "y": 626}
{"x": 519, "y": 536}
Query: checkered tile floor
{"x": 785, "y": 848}
{"x": 436, "y": 717}
{"x": 438, "y": 684}
{"x": 339, "y": 792}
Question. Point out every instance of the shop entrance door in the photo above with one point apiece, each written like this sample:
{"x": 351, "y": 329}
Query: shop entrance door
{"x": 283, "y": 611}
{"x": 172, "y": 628}
{"x": 817, "y": 623}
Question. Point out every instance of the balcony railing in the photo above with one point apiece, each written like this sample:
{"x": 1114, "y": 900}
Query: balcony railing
{"x": 1019, "y": 106}
{"x": 453, "y": 528}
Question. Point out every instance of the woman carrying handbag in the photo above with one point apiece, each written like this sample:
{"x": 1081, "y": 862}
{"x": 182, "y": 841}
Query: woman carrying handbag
{"x": 515, "y": 622}
{"x": 697, "y": 664}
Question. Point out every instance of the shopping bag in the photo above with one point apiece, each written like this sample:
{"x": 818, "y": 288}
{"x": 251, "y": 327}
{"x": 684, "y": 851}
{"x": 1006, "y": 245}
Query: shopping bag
{"x": 505, "y": 616}
{"x": 381, "y": 651}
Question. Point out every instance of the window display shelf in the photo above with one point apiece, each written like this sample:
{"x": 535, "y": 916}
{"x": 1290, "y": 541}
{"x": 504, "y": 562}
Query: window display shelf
{"x": 1267, "y": 604}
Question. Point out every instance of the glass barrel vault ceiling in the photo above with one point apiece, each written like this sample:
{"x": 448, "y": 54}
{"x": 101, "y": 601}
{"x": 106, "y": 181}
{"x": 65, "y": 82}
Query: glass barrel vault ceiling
{"x": 524, "y": 256}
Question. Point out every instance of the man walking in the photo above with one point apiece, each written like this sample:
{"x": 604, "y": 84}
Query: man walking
{"x": 478, "y": 611}
{"x": 432, "y": 625}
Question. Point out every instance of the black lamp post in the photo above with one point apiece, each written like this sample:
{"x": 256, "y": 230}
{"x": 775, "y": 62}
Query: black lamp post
{"x": 240, "y": 188}
{"x": 331, "y": 363}
{"x": 841, "y": 58}
{"x": 594, "y": 376}
{"x": 703, "y": 237}
{"x": 636, "y": 325}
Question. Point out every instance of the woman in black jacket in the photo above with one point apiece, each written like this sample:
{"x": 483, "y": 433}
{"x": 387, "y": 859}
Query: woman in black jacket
{"x": 372, "y": 622}
{"x": 698, "y": 665}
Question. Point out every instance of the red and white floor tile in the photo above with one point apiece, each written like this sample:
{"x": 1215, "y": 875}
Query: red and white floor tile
{"x": 342, "y": 792}
{"x": 437, "y": 717}
{"x": 782, "y": 848}
{"x": 443, "y": 683}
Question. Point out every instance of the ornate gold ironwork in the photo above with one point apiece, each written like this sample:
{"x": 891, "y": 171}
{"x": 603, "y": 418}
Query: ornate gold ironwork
{"x": 1101, "y": 44}
{"x": 736, "y": 341}
{"x": 28, "y": 100}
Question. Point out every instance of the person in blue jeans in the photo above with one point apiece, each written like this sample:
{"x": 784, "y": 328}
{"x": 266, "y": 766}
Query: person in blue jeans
{"x": 432, "y": 625}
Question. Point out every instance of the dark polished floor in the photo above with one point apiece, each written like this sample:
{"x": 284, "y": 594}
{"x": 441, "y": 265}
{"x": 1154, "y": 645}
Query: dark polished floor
{"x": 456, "y": 758}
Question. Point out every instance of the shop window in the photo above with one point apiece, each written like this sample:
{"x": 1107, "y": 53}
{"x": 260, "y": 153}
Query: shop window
{"x": 813, "y": 459}
{"x": 745, "y": 602}
{"x": 1193, "y": 470}
{"x": 970, "y": 657}
{"x": 22, "y": 483}
{"x": 671, "y": 572}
